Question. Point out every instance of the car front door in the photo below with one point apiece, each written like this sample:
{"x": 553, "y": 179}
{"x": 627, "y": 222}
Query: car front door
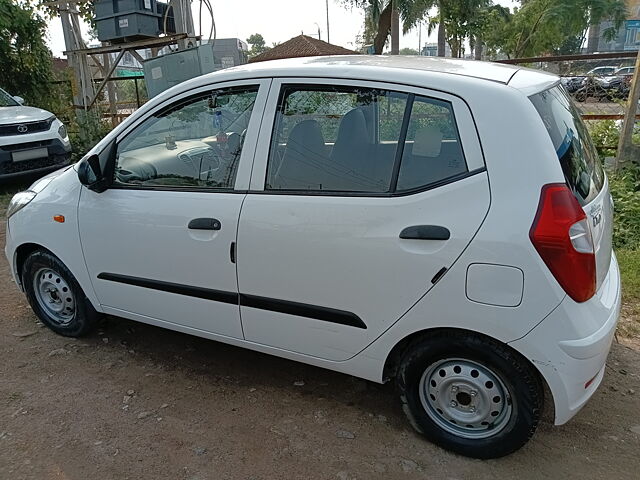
{"x": 361, "y": 197}
{"x": 159, "y": 242}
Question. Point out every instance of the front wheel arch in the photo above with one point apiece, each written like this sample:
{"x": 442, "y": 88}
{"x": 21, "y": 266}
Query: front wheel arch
{"x": 21, "y": 254}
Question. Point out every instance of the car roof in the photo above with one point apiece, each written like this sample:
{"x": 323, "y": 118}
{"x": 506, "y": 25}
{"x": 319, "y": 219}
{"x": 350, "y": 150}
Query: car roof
{"x": 351, "y": 64}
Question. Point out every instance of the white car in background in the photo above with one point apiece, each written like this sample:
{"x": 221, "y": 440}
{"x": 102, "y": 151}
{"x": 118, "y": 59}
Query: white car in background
{"x": 32, "y": 140}
{"x": 441, "y": 223}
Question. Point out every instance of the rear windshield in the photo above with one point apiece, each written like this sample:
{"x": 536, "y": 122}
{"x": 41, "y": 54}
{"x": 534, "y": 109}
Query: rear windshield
{"x": 578, "y": 157}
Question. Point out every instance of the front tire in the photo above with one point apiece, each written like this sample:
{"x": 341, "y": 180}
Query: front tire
{"x": 55, "y": 295}
{"x": 470, "y": 394}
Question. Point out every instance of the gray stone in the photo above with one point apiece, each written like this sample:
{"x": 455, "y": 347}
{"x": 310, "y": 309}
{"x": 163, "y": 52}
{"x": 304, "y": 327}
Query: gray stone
{"x": 58, "y": 351}
{"x": 199, "y": 450}
{"x": 345, "y": 434}
{"x": 408, "y": 465}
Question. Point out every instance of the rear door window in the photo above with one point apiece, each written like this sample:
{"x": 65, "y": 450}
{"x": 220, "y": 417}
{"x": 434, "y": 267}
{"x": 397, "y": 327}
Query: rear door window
{"x": 364, "y": 140}
{"x": 578, "y": 157}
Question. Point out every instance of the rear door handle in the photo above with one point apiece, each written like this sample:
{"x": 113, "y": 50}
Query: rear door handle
{"x": 204, "y": 224}
{"x": 425, "y": 232}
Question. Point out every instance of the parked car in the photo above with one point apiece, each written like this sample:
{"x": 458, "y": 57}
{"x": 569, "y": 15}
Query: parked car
{"x": 625, "y": 71}
{"x": 604, "y": 89}
{"x": 442, "y": 224}
{"x": 602, "y": 71}
{"x": 572, "y": 84}
{"x": 32, "y": 140}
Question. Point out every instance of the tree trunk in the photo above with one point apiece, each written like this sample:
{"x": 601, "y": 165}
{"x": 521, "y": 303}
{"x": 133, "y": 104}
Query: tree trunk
{"x": 395, "y": 29}
{"x": 441, "y": 38}
{"x": 384, "y": 27}
{"x": 477, "y": 50}
{"x": 594, "y": 38}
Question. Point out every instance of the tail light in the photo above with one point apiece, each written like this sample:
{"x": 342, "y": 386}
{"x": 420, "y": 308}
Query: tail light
{"x": 561, "y": 235}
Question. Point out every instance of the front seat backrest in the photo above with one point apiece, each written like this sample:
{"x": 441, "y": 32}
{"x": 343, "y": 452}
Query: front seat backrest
{"x": 303, "y": 159}
{"x": 353, "y": 141}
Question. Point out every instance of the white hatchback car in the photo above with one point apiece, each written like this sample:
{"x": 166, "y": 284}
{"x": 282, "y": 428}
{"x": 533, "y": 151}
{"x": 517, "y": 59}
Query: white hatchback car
{"x": 443, "y": 223}
{"x": 32, "y": 140}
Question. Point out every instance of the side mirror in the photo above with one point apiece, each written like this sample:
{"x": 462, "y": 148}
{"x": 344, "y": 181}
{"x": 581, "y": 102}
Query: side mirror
{"x": 18, "y": 99}
{"x": 90, "y": 174}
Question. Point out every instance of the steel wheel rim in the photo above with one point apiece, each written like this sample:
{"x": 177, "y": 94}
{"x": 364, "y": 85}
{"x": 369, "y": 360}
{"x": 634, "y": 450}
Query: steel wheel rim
{"x": 465, "y": 398}
{"x": 54, "y": 296}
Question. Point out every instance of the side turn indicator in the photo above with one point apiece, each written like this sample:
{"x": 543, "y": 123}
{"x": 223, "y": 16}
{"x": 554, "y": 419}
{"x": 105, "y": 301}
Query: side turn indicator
{"x": 58, "y": 218}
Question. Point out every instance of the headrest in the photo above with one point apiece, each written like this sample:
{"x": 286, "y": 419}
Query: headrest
{"x": 427, "y": 142}
{"x": 306, "y": 138}
{"x": 353, "y": 128}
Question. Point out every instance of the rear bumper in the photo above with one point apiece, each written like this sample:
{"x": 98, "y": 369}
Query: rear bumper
{"x": 570, "y": 347}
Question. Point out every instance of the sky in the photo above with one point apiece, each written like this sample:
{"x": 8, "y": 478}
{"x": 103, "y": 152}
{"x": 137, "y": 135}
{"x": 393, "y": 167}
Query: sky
{"x": 277, "y": 21}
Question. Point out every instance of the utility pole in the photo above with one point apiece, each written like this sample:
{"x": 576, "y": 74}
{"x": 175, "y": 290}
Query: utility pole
{"x": 626, "y": 149}
{"x": 327, "y": 2}
{"x": 82, "y": 84}
{"x": 419, "y": 38}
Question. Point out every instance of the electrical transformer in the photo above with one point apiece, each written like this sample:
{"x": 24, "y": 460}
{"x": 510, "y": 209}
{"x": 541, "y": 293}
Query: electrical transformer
{"x": 119, "y": 21}
{"x": 168, "y": 70}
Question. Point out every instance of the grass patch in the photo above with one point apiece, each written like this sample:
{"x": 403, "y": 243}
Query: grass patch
{"x": 629, "y": 261}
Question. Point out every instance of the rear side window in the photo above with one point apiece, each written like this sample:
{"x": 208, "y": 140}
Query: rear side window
{"x": 364, "y": 140}
{"x": 577, "y": 155}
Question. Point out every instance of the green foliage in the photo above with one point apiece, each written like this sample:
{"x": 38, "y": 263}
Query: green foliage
{"x": 551, "y": 26}
{"x": 629, "y": 261}
{"x": 85, "y": 131}
{"x": 126, "y": 91}
{"x": 606, "y": 134}
{"x": 25, "y": 60}
{"x": 625, "y": 190}
{"x": 258, "y": 45}
{"x": 408, "y": 51}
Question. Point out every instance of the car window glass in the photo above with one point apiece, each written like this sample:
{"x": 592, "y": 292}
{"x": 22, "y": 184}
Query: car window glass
{"x": 7, "y": 100}
{"x": 432, "y": 151}
{"x": 576, "y": 153}
{"x": 340, "y": 139}
{"x": 195, "y": 143}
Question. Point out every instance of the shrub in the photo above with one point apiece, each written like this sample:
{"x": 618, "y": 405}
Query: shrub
{"x": 625, "y": 190}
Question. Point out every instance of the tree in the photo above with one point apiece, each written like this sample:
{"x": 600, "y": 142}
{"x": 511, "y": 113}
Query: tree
{"x": 258, "y": 45}
{"x": 461, "y": 19}
{"x": 25, "y": 60}
{"x": 378, "y": 17}
{"x": 409, "y": 51}
{"x": 545, "y": 26}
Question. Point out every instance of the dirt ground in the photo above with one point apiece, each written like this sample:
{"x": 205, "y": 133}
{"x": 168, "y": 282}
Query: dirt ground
{"x": 137, "y": 402}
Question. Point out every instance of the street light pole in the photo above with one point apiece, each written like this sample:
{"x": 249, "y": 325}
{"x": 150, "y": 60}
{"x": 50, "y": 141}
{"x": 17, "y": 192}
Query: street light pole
{"x": 327, "y": 2}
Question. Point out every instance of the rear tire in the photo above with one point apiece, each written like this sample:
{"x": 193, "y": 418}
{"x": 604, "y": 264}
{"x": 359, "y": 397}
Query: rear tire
{"x": 55, "y": 295}
{"x": 470, "y": 394}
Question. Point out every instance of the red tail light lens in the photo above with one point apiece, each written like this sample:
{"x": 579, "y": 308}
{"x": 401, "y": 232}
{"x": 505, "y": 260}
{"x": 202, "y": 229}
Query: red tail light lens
{"x": 561, "y": 235}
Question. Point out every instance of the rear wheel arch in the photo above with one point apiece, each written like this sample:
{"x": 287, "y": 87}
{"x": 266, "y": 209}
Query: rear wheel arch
{"x": 394, "y": 357}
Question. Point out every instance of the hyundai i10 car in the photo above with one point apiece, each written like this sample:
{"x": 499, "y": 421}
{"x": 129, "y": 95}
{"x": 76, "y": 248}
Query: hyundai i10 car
{"x": 442, "y": 224}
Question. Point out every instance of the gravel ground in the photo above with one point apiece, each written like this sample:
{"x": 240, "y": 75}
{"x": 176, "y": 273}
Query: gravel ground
{"x": 137, "y": 402}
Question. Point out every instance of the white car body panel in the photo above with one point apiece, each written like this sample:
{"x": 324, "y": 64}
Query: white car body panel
{"x": 285, "y": 250}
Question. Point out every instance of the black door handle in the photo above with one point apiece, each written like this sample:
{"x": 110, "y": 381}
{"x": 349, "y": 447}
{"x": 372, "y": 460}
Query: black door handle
{"x": 425, "y": 232}
{"x": 204, "y": 224}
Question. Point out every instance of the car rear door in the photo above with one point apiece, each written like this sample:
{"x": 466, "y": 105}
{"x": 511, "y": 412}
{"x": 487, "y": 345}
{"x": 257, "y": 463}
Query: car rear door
{"x": 362, "y": 196}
